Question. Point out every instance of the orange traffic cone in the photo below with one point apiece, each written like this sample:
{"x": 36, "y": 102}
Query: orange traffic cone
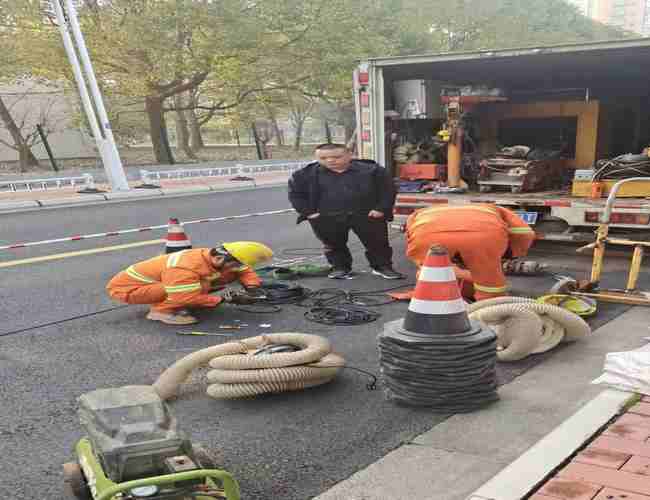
{"x": 437, "y": 306}
{"x": 436, "y": 357}
{"x": 176, "y": 238}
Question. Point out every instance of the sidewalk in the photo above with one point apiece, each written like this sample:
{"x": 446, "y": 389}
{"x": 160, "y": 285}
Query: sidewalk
{"x": 10, "y": 201}
{"x": 456, "y": 457}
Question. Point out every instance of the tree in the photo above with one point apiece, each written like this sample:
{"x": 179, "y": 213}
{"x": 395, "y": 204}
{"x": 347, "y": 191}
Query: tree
{"x": 455, "y": 25}
{"x": 20, "y": 115}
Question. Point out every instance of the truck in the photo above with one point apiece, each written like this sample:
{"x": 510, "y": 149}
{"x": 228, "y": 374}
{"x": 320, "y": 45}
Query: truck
{"x": 593, "y": 97}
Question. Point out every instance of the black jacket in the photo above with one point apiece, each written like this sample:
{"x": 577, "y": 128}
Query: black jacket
{"x": 304, "y": 190}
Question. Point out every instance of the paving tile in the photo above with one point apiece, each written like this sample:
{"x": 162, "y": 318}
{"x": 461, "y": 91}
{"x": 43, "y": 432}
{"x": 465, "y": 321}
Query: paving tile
{"x": 638, "y": 465}
{"x": 537, "y": 496}
{"x": 569, "y": 489}
{"x": 645, "y": 399}
{"x": 616, "y": 479}
{"x": 634, "y": 419}
{"x": 602, "y": 458}
{"x": 622, "y": 445}
{"x": 611, "y": 494}
{"x": 628, "y": 431}
{"x": 641, "y": 409}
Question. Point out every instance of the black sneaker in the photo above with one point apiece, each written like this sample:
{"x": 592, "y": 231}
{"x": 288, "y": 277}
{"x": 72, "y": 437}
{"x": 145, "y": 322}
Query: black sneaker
{"x": 340, "y": 274}
{"x": 388, "y": 273}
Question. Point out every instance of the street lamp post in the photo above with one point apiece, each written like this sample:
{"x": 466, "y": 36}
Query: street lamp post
{"x": 92, "y": 101}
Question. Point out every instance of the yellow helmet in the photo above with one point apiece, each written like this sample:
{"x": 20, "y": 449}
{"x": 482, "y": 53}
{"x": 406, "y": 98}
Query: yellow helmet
{"x": 249, "y": 253}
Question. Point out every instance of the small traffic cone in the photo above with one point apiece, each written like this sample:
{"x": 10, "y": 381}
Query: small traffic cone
{"x": 176, "y": 238}
{"x": 437, "y": 307}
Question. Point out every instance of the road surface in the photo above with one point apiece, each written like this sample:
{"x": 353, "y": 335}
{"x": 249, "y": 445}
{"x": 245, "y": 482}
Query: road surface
{"x": 289, "y": 446}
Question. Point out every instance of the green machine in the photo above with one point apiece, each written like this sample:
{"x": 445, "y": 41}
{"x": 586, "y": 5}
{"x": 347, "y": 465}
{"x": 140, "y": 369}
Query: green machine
{"x": 134, "y": 450}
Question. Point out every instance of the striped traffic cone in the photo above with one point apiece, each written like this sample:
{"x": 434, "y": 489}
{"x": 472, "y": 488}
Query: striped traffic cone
{"x": 176, "y": 238}
{"x": 437, "y": 306}
{"x": 436, "y": 357}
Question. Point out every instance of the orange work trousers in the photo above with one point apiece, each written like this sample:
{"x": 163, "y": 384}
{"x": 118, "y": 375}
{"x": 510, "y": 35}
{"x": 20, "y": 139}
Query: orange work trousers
{"x": 481, "y": 252}
{"x": 124, "y": 289}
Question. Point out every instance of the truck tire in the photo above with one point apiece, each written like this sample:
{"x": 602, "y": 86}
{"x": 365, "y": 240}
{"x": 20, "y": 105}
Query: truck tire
{"x": 483, "y": 188}
{"x": 74, "y": 483}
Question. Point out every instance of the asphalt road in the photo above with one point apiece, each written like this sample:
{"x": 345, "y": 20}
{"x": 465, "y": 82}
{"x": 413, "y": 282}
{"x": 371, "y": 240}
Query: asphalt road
{"x": 290, "y": 446}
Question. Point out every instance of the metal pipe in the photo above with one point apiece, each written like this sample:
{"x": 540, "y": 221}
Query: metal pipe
{"x": 609, "y": 205}
{"x": 114, "y": 168}
{"x": 78, "y": 75}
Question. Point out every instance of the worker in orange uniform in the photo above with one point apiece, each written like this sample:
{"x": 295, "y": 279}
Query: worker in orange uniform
{"x": 479, "y": 236}
{"x": 172, "y": 283}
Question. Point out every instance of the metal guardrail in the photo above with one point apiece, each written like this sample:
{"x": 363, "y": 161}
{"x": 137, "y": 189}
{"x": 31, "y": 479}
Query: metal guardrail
{"x": 85, "y": 181}
{"x": 149, "y": 177}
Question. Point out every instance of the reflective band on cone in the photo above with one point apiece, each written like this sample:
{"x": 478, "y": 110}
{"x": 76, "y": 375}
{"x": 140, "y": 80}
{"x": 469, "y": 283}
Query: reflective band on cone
{"x": 437, "y": 307}
{"x": 176, "y": 238}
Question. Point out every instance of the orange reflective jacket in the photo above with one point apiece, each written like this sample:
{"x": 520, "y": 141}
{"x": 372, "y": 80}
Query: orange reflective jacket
{"x": 474, "y": 218}
{"x": 188, "y": 276}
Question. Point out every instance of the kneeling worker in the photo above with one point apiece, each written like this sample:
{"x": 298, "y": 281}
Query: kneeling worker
{"x": 479, "y": 236}
{"x": 171, "y": 283}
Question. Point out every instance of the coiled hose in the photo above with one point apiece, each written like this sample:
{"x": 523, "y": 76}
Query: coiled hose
{"x": 524, "y": 326}
{"x": 237, "y": 373}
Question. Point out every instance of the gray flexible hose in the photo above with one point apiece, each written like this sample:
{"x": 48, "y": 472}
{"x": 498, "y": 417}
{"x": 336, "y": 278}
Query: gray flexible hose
{"x": 237, "y": 373}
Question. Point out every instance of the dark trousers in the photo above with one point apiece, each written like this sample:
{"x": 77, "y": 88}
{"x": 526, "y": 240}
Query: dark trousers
{"x": 333, "y": 231}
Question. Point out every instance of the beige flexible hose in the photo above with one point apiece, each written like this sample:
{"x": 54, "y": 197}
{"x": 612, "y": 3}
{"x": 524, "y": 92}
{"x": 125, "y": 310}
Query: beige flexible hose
{"x": 238, "y": 374}
{"x": 511, "y": 325}
{"x": 518, "y": 329}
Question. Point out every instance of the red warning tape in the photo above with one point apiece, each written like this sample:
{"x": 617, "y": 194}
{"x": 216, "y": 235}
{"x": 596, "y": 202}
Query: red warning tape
{"x": 80, "y": 237}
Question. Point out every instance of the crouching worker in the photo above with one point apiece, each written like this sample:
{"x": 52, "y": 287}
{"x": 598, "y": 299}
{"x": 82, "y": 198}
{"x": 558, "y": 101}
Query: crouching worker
{"x": 173, "y": 283}
{"x": 477, "y": 237}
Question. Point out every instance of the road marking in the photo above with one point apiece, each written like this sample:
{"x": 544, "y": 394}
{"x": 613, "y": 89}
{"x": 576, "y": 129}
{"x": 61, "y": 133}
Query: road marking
{"x": 67, "y": 255}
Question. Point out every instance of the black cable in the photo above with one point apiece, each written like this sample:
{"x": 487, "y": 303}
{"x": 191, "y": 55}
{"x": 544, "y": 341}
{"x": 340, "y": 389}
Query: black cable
{"x": 329, "y": 306}
{"x": 60, "y": 321}
{"x": 622, "y": 167}
{"x": 341, "y": 315}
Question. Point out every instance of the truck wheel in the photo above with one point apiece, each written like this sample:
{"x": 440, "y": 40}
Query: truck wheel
{"x": 516, "y": 189}
{"x": 74, "y": 483}
{"x": 484, "y": 189}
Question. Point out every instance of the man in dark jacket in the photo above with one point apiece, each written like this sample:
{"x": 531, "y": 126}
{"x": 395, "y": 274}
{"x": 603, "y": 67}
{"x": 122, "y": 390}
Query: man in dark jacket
{"x": 337, "y": 194}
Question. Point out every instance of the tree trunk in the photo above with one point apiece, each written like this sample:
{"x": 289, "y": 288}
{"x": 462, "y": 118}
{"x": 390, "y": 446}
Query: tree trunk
{"x": 328, "y": 131}
{"x": 25, "y": 155}
{"x": 182, "y": 131}
{"x": 26, "y": 158}
{"x": 157, "y": 130}
{"x": 196, "y": 137}
{"x": 298, "y": 139}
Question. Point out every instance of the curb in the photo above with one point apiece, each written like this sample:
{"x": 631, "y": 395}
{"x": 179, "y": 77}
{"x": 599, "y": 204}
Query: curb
{"x": 119, "y": 197}
{"x": 519, "y": 478}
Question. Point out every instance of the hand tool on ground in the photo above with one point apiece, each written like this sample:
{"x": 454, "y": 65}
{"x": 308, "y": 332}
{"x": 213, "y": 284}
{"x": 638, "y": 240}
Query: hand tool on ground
{"x": 209, "y": 334}
{"x": 134, "y": 449}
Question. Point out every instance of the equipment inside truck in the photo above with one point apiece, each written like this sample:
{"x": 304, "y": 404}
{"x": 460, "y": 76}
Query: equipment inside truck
{"x": 548, "y": 130}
